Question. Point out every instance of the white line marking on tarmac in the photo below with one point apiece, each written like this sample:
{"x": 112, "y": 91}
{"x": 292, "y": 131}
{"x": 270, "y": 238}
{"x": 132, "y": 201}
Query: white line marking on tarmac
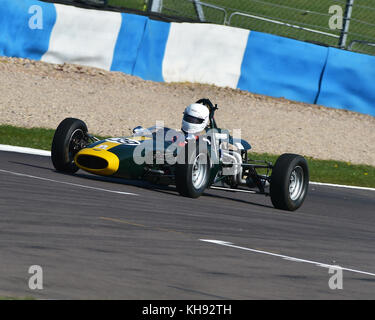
{"x": 341, "y": 186}
{"x": 319, "y": 264}
{"x": 68, "y": 183}
{"x": 38, "y": 152}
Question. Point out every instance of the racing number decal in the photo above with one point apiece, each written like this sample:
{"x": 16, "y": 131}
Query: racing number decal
{"x": 128, "y": 141}
{"x": 113, "y": 142}
{"x": 105, "y": 146}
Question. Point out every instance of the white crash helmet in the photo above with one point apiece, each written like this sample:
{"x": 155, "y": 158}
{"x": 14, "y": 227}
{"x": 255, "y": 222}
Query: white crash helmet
{"x": 195, "y": 118}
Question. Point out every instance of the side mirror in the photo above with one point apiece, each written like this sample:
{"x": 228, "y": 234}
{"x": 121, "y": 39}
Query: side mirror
{"x": 138, "y": 129}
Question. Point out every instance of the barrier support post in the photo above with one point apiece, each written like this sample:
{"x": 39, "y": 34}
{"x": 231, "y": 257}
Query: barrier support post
{"x": 155, "y": 5}
{"x": 199, "y": 10}
{"x": 345, "y": 29}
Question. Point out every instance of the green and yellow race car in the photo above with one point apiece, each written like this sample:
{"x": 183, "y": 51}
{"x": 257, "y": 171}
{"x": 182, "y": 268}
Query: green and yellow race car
{"x": 191, "y": 162}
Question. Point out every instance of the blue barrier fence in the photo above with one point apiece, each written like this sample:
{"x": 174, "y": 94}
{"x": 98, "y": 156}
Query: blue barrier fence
{"x": 131, "y": 32}
{"x": 25, "y": 28}
{"x": 282, "y": 67}
{"x": 151, "y": 51}
{"x": 265, "y": 64}
{"x": 348, "y": 82}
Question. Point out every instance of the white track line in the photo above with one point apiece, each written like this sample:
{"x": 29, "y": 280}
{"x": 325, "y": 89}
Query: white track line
{"x": 341, "y": 186}
{"x": 48, "y": 154}
{"x": 67, "y": 183}
{"x": 319, "y": 264}
{"x": 37, "y": 152}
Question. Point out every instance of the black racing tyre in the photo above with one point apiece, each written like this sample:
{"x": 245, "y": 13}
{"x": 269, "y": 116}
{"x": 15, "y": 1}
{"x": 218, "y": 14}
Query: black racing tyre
{"x": 70, "y": 136}
{"x": 192, "y": 170}
{"x": 289, "y": 182}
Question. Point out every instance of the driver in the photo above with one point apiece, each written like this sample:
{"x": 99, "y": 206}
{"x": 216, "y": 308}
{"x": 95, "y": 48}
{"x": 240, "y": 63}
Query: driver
{"x": 195, "y": 118}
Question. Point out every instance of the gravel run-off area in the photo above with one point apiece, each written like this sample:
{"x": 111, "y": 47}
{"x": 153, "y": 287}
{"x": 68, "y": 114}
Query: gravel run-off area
{"x": 37, "y": 94}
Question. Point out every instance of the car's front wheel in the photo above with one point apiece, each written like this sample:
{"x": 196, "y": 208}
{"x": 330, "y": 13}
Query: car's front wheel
{"x": 70, "y": 137}
{"x": 289, "y": 182}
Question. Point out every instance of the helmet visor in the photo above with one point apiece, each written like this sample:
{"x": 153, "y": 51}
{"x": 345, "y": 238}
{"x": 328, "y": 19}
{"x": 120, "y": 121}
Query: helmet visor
{"x": 191, "y": 119}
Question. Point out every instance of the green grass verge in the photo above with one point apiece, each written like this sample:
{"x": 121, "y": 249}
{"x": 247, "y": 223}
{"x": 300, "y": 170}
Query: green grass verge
{"x": 329, "y": 171}
{"x": 33, "y": 138}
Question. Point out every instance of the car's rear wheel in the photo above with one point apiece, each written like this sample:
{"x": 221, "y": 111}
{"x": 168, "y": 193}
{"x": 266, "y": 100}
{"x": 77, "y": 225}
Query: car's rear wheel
{"x": 289, "y": 182}
{"x": 192, "y": 171}
{"x": 70, "y": 137}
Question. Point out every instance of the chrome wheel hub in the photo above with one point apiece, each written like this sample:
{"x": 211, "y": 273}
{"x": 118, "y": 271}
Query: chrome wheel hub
{"x": 296, "y": 182}
{"x": 199, "y": 171}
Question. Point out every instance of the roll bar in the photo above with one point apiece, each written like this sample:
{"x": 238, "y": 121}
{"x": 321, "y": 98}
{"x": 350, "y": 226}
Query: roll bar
{"x": 212, "y": 108}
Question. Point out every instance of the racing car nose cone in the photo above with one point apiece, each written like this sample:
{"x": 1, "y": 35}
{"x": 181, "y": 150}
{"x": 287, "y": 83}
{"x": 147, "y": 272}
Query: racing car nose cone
{"x": 97, "y": 161}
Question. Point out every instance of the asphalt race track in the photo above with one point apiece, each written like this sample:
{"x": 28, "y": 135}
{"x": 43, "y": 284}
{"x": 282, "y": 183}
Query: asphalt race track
{"x": 112, "y": 239}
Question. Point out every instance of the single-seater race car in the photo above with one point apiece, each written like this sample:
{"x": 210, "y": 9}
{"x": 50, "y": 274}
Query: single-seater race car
{"x": 192, "y": 163}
